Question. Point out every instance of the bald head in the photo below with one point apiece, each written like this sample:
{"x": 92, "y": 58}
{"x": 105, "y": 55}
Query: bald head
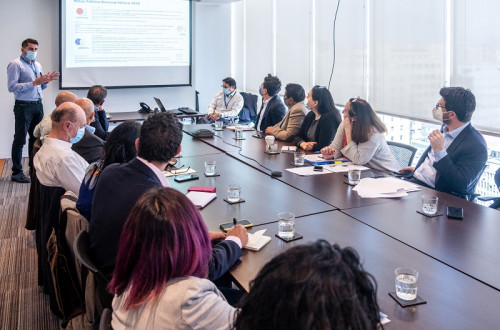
{"x": 88, "y": 107}
{"x": 67, "y": 118}
{"x": 65, "y": 97}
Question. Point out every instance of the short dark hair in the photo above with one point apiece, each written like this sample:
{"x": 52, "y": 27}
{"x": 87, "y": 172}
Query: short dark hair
{"x": 230, "y": 81}
{"x": 295, "y": 92}
{"x": 272, "y": 84}
{"x": 97, "y": 94}
{"x": 459, "y": 100}
{"x": 28, "y": 41}
{"x": 313, "y": 286}
{"x": 119, "y": 147}
{"x": 160, "y": 137}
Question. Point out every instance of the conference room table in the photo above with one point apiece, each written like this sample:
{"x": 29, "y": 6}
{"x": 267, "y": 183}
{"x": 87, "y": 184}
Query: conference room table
{"x": 328, "y": 187}
{"x": 457, "y": 260}
{"x": 454, "y": 300}
{"x": 264, "y": 196}
{"x": 471, "y": 245}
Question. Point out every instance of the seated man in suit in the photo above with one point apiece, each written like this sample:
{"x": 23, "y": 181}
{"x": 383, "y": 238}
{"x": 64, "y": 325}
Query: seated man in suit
{"x": 226, "y": 103}
{"x": 90, "y": 146}
{"x": 457, "y": 154}
{"x": 97, "y": 94}
{"x": 43, "y": 128}
{"x": 55, "y": 163}
{"x": 272, "y": 110}
{"x": 121, "y": 185}
{"x": 286, "y": 129}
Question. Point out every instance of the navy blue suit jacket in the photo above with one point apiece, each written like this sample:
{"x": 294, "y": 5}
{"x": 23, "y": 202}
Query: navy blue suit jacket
{"x": 118, "y": 189}
{"x": 459, "y": 171}
{"x": 275, "y": 111}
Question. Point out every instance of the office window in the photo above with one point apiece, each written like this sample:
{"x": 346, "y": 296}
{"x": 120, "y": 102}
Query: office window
{"x": 408, "y": 60}
{"x": 476, "y": 57}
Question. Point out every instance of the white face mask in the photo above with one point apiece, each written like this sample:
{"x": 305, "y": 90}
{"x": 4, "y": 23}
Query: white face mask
{"x": 437, "y": 113}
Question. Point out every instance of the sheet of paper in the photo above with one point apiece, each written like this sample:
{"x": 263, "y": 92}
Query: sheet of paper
{"x": 306, "y": 171}
{"x": 387, "y": 187}
{"x": 243, "y": 127}
{"x": 345, "y": 167}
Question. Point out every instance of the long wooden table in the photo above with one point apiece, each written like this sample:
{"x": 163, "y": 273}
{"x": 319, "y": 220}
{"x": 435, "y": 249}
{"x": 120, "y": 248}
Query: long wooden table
{"x": 117, "y": 117}
{"x": 457, "y": 260}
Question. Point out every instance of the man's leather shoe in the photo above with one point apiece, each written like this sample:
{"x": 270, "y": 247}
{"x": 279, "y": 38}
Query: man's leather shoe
{"x": 20, "y": 177}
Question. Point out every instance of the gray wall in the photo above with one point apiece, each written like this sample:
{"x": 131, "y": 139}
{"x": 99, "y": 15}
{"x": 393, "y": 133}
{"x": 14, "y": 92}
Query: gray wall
{"x": 39, "y": 19}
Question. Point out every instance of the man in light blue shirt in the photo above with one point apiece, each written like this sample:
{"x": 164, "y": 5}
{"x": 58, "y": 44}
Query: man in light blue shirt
{"x": 457, "y": 154}
{"x": 26, "y": 80}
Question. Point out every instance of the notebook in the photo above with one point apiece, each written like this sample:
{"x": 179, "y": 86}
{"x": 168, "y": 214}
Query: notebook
{"x": 257, "y": 240}
{"x": 200, "y": 199}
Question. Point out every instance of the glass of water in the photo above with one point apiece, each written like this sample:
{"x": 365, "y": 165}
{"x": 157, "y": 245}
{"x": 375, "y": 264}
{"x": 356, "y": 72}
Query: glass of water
{"x": 286, "y": 224}
{"x": 233, "y": 193}
{"x": 219, "y": 125}
{"x": 406, "y": 283}
{"x": 298, "y": 158}
{"x": 429, "y": 204}
{"x": 210, "y": 168}
{"x": 354, "y": 176}
{"x": 238, "y": 133}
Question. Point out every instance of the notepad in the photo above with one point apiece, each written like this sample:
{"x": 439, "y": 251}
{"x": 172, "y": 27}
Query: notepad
{"x": 257, "y": 240}
{"x": 200, "y": 199}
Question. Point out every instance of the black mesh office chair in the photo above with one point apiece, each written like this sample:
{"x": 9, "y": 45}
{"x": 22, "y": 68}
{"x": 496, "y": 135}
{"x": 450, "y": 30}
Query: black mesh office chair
{"x": 105, "y": 323}
{"x": 404, "y": 153}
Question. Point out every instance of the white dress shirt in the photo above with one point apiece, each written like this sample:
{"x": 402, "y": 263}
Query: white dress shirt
{"x": 226, "y": 105}
{"x": 426, "y": 171}
{"x": 262, "y": 112}
{"x": 57, "y": 165}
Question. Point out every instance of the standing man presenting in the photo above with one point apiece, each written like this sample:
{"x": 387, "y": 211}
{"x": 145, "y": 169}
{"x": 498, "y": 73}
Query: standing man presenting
{"x": 26, "y": 80}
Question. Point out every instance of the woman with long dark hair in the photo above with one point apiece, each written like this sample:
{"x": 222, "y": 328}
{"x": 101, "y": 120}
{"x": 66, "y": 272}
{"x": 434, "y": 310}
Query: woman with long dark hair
{"x": 159, "y": 280}
{"x": 118, "y": 148}
{"x": 321, "y": 123}
{"x": 360, "y": 138}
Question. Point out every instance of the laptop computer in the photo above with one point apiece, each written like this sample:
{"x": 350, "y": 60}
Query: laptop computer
{"x": 188, "y": 111}
{"x": 162, "y": 108}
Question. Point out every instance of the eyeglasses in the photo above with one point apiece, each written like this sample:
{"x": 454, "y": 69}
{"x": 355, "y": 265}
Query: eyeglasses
{"x": 177, "y": 171}
{"x": 439, "y": 106}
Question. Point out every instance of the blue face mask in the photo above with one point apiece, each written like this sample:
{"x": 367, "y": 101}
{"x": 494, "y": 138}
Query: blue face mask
{"x": 79, "y": 134}
{"x": 30, "y": 55}
{"x": 260, "y": 90}
{"x": 226, "y": 91}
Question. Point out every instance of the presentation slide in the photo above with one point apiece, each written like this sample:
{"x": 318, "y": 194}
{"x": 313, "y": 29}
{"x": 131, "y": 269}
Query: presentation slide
{"x": 125, "y": 43}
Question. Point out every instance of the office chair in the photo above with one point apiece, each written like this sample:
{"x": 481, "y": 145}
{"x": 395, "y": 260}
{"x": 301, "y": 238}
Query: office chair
{"x": 81, "y": 247}
{"x": 105, "y": 323}
{"x": 404, "y": 153}
{"x": 495, "y": 199}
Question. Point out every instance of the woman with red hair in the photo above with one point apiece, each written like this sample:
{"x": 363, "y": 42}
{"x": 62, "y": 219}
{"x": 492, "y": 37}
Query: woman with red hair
{"x": 161, "y": 268}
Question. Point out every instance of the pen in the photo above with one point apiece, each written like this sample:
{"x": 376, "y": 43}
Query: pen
{"x": 234, "y": 221}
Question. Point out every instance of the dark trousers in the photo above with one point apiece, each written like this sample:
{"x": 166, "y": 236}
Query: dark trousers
{"x": 27, "y": 116}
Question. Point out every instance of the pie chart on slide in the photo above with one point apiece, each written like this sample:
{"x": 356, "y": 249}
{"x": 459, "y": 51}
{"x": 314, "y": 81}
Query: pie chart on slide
{"x": 79, "y": 11}
{"x": 79, "y": 42}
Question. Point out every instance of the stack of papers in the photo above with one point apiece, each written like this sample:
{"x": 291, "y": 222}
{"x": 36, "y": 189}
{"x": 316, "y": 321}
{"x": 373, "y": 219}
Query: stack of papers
{"x": 257, "y": 240}
{"x": 387, "y": 187}
{"x": 200, "y": 199}
{"x": 344, "y": 167}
